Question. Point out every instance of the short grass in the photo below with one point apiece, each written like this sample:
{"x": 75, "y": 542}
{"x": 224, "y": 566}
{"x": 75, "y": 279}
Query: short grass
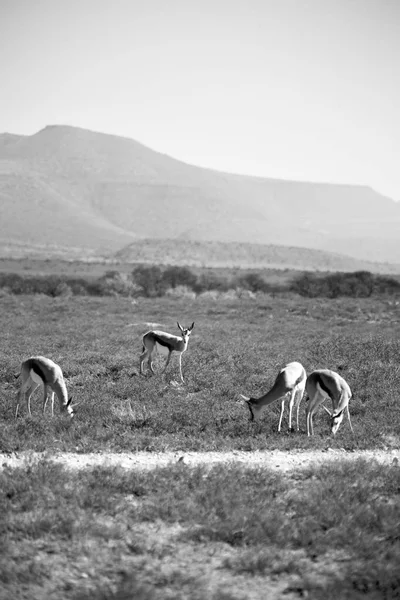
{"x": 221, "y": 533}
{"x": 202, "y": 533}
{"x": 237, "y": 346}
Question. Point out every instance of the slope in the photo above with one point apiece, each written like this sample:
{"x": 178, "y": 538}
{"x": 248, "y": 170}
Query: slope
{"x": 73, "y": 187}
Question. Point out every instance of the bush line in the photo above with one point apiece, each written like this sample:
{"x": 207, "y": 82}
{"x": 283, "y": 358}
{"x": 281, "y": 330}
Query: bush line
{"x": 154, "y": 281}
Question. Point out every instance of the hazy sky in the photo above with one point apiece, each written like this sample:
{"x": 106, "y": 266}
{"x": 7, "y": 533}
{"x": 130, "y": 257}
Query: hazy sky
{"x": 292, "y": 89}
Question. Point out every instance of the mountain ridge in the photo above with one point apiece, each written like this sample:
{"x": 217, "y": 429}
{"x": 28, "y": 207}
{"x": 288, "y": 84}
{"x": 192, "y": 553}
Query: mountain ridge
{"x": 71, "y": 186}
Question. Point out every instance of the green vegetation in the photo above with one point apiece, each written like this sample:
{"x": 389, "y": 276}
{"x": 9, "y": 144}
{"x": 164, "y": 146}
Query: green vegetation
{"x": 237, "y": 346}
{"x": 326, "y": 532}
{"x": 221, "y": 533}
{"x": 360, "y": 284}
{"x": 155, "y": 281}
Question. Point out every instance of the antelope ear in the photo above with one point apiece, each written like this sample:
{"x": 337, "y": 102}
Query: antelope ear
{"x": 245, "y": 398}
{"x": 70, "y": 402}
{"x": 181, "y": 328}
{"x": 328, "y": 411}
{"x": 191, "y": 327}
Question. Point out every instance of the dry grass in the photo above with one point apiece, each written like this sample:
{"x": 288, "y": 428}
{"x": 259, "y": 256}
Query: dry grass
{"x": 220, "y": 532}
{"x": 236, "y": 346}
{"x": 180, "y": 532}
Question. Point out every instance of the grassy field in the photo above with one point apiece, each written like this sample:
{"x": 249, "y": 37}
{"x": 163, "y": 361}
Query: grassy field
{"x": 236, "y": 347}
{"x": 224, "y": 533}
{"x": 221, "y": 533}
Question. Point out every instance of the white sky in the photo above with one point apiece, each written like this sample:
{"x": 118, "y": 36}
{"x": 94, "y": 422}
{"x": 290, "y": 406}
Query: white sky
{"x": 292, "y": 89}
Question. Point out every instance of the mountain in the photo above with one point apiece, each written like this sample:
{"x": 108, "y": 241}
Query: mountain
{"x": 82, "y": 191}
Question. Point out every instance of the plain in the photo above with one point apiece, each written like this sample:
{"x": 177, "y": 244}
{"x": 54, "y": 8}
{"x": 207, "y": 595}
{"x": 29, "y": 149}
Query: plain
{"x": 223, "y": 532}
{"x": 237, "y": 346}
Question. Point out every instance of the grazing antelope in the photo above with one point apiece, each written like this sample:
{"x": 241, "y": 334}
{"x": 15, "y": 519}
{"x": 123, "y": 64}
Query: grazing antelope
{"x": 290, "y": 380}
{"x": 322, "y": 384}
{"x": 166, "y": 344}
{"x": 39, "y": 370}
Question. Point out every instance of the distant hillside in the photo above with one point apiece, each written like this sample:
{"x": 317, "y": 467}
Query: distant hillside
{"x": 244, "y": 256}
{"x": 66, "y": 187}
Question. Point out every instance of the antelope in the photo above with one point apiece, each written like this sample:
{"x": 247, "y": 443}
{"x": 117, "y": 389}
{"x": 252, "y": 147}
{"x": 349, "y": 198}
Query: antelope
{"x": 290, "y": 381}
{"x": 166, "y": 344}
{"x": 322, "y": 384}
{"x": 39, "y": 370}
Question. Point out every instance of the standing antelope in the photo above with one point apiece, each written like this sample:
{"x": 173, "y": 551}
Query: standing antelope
{"x": 39, "y": 370}
{"x": 290, "y": 380}
{"x": 322, "y": 384}
{"x": 166, "y": 344}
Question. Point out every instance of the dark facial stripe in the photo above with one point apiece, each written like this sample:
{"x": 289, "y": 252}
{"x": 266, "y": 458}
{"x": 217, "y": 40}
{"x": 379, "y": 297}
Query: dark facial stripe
{"x": 320, "y": 381}
{"x": 338, "y": 415}
{"x": 162, "y": 342}
{"x": 36, "y": 369}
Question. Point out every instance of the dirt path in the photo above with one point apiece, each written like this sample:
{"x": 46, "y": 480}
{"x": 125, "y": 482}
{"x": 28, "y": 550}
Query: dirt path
{"x": 275, "y": 459}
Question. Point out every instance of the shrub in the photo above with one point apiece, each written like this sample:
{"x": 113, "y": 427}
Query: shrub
{"x": 116, "y": 283}
{"x": 360, "y": 284}
{"x": 181, "y": 291}
{"x": 150, "y": 280}
{"x": 13, "y": 282}
{"x": 153, "y": 281}
{"x": 211, "y": 282}
{"x": 253, "y": 282}
{"x": 50, "y": 285}
{"x": 179, "y": 276}
{"x": 63, "y": 289}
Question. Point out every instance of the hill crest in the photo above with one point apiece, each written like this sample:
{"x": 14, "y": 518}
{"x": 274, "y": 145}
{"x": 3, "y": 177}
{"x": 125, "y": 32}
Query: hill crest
{"x": 101, "y": 192}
